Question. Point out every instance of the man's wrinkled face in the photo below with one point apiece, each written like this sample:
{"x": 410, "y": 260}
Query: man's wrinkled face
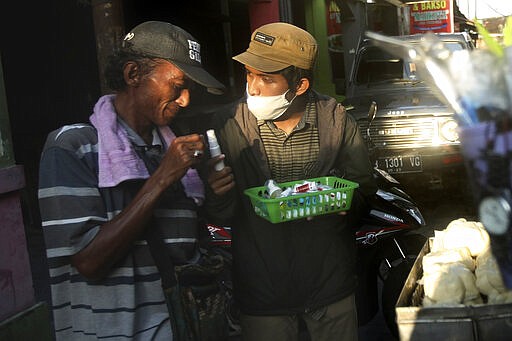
{"x": 163, "y": 92}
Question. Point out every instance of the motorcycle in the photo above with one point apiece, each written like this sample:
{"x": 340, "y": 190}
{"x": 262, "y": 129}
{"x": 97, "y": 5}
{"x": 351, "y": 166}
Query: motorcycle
{"x": 387, "y": 248}
{"x": 388, "y": 242}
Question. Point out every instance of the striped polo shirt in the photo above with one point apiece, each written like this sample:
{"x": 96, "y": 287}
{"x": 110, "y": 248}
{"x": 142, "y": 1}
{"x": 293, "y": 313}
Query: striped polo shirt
{"x": 292, "y": 157}
{"x": 128, "y": 303}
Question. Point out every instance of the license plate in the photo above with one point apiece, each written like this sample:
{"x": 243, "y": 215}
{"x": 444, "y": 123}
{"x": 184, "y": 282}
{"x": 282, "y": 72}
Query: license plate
{"x": 397, "y": 164}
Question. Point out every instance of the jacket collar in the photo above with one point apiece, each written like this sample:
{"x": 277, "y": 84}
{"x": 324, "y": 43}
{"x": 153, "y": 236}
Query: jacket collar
{"x": 330, "y": 120}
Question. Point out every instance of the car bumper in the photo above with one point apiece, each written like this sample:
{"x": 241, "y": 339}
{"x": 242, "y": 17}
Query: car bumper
{"x": 420, "y": 160}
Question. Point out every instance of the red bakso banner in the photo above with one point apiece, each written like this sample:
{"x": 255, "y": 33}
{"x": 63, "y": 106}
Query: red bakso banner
{"x": 431, "y": 16}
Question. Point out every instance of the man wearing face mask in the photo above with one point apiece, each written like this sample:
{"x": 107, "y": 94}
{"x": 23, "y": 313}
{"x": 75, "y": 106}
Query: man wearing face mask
{"x": 284, "y": 130}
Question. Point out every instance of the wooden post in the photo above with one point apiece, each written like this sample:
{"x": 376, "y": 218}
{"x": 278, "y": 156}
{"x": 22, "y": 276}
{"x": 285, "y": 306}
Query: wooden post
{"x": 109, "y": 29}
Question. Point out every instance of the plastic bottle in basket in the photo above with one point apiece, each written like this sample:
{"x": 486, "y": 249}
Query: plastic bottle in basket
{"x": 274, "y": 191}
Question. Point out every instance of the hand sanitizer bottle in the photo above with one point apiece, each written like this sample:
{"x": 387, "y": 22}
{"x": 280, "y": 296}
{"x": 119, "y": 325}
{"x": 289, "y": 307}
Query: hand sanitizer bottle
{"x": 214, "y": 148}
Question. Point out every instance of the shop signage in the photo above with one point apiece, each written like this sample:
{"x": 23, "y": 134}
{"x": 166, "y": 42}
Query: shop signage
{"x": 433, "y": 16}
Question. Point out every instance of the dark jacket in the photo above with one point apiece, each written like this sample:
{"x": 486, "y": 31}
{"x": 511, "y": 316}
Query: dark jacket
{"x": 299, "y": 265}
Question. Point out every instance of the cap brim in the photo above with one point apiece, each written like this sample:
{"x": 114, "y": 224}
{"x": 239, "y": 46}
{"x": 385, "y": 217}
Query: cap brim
{"x": 200, "y": 76}
{"x": 260, "y": 63}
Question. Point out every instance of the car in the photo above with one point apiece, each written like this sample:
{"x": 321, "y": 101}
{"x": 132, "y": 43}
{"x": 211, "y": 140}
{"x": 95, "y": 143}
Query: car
{"x": 414, "y": 132}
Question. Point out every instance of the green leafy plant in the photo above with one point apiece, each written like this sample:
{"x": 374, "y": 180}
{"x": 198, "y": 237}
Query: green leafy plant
{"x": 507, "y": 33}
{"x": 489, "y": 40}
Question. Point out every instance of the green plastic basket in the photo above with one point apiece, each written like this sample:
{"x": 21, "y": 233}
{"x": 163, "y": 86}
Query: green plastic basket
{"x": 300, "y": 206}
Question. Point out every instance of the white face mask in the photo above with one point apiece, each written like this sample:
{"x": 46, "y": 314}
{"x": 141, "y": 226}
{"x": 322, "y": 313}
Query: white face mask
{"x": 268, "y": 107}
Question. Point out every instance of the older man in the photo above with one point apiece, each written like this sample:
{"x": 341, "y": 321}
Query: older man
{"x": 105, "y": 184}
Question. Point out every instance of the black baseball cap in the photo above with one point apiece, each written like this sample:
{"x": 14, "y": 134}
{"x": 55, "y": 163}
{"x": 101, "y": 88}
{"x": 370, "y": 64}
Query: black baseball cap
{"x": 159, "y": 39}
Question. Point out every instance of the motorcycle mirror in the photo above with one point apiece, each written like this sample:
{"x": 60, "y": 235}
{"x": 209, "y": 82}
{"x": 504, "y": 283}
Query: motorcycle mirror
{"x": 372, "y": 112}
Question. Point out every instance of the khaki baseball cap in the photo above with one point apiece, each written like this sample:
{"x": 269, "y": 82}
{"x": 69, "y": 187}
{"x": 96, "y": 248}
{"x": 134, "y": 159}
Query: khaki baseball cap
{"x": 276, "y": 46}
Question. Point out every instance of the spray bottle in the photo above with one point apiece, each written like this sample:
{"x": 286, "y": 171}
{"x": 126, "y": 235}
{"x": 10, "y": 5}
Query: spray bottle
{"x": 214, "y": 148}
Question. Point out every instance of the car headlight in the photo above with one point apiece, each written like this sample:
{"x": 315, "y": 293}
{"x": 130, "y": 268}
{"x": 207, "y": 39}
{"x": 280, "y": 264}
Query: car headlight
{"x": 449, "y": 131}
